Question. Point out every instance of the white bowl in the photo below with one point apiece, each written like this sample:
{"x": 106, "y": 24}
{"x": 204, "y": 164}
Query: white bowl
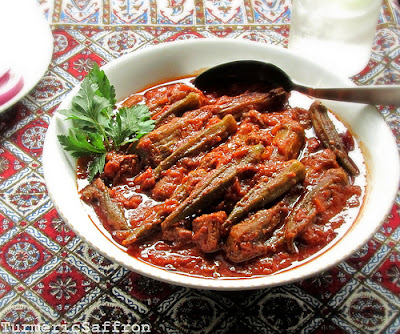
{"x": 15, "y": 40}
{"x": 143, "y": 68}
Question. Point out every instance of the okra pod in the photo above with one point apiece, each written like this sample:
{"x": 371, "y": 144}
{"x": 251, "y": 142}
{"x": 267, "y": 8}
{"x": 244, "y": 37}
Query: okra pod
{"x": 289, "y": 140}
{"x": 246, "y": 239}
{"x": 184, "y": 189}
{"x": 162, "y": 141}
{"x": 199, "y": 142}
{"x": 145, "y": 229}
{"x": 189, "y": 102}
{"x": 267, "y": 191}
{"x": 97, "y": 195}
{"x": 149, "y": 223}
{"x": 305, "y": 211}
{"x": 212, "y": 187}
{"x": 326, "y": 132}
{"x": 272, "y": 100}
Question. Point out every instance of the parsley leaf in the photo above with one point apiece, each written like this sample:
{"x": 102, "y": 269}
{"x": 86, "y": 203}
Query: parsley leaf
{"x": 105, "y": 89}
{"x": 81, "y": 143}
{"x": 130, "y": 124}
{"x": 98, "y": 127}
{"x": 88, "y": 111}
{"x": 97, "y": 165}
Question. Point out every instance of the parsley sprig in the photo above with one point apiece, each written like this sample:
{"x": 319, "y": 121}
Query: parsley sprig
{"x": 97, "y": 126}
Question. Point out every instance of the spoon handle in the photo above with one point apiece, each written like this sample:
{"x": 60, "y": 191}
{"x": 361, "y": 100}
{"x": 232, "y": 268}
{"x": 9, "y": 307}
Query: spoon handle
{"x": 377, "y": 95}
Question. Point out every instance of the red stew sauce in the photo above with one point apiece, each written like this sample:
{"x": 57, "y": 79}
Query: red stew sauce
{"x": 235, "y": 183}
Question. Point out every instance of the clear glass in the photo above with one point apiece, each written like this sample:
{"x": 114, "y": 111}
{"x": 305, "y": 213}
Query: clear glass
{"x": 335, "y": 33}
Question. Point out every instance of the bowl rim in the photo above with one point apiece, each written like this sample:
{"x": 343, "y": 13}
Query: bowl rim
{"x": 178, "y": 278}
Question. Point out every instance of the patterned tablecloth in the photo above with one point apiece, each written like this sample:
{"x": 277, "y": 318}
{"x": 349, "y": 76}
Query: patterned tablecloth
{"x": 49, "y": 276}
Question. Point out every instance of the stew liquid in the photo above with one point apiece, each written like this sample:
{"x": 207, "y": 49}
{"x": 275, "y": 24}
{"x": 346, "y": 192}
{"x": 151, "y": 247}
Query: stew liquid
{"x": 235, "y": 183}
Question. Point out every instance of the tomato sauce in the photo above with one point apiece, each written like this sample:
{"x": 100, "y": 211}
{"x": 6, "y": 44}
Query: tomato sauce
{"x": 239, "y": 183}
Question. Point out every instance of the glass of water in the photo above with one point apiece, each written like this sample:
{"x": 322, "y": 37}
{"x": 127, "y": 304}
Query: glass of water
{"x": 335, "y": 33}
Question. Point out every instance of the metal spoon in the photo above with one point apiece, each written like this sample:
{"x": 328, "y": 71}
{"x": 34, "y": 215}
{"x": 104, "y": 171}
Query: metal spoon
{"x": 253, "y": 71}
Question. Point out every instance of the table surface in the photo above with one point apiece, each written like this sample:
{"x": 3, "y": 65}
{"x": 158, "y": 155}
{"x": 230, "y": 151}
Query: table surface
{"x": 50, "y": 276}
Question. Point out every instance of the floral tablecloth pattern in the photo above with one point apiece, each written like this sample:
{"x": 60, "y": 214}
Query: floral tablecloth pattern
{"x": 50, "y": 276}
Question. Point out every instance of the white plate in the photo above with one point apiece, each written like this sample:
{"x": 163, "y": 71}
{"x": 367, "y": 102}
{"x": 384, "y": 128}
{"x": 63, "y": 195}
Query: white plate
{"x": 26, "y": 43}
{"x": 168, "y": 61}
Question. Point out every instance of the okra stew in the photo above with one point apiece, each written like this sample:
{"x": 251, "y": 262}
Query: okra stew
{"x": 240, "y": 182}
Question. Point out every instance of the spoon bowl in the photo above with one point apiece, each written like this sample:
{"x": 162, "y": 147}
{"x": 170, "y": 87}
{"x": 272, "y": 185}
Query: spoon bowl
{"x": 254, "y": 71}
{"x": 243, "y": 71}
